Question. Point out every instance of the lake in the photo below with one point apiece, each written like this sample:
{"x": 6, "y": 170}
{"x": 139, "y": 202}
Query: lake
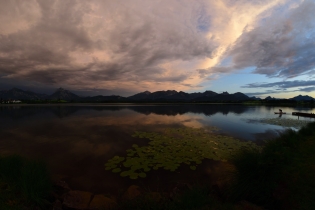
{"x": 77, "y": 140}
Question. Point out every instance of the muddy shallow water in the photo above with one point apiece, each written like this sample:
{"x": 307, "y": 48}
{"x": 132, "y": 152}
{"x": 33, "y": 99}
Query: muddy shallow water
{"x": 77, "y": 140}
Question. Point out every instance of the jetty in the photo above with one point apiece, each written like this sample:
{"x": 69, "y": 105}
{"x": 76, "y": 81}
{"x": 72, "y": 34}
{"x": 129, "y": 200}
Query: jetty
{"x": 301, "y": 114}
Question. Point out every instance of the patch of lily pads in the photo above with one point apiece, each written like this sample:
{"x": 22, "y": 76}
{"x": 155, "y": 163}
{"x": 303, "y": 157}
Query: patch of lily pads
{"x": 172, "y": 148}
{"x": 285, "y": 122}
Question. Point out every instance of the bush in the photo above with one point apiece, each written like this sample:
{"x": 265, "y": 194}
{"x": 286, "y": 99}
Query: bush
{"x": 23, "y": 183}
{"x": 281, "y": 176}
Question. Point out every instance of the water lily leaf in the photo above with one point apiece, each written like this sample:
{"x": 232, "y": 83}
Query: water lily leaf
{"x": 142, "y": 175}
{"x": 173, "y": 147}
{"x": 116, "y": 170}
{"x": 110, "y": 164}
{"x": 133, "y": 176}
{"x": 135, "y": 167}
{"x": 125, "y": 173}
{"x": 146, "y": 169}
{"x": 121, "y": 159}
{"x": 192, "y": 167}
{"x": 109, "y": 168}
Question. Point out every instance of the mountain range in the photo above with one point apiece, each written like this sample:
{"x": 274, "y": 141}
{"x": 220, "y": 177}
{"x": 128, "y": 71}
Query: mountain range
{"x": 158, "y": 96}
{"x": 296, "y": 98}
{"x": 302, "y": 98}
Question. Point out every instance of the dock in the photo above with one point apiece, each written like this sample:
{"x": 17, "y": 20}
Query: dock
{"x": 301, "y": 114}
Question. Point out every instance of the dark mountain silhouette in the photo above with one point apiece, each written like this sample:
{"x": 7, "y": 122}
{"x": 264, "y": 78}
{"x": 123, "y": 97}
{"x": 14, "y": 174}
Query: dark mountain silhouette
{"x": 158, "y": 96}
{"x": 140, "y": 96}
{"x": 62, "y": 94}
{"x": 302, "y": 98}
{"x": 16, "y": 93}
{"x": 100, "y": 98}
{"x": 269, "y": 98}
{"x": 170, "y": 95}
{"x": 225, "y": 96}
{"x": 255, "y": 98}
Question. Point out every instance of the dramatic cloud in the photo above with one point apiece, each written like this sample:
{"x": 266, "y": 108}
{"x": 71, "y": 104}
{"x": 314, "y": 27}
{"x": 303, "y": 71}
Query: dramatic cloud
{"x": 280, "y": 45}
{"x": 102, "y": 43}
{"x": 308, "y": 89}
{"x": 282, "y": 87}
{"x": 281, "y": 91}
{"x": 139, "y": 45}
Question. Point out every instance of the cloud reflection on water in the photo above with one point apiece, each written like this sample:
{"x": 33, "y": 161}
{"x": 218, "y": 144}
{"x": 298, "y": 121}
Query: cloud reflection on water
{"x": 76, "y": 141}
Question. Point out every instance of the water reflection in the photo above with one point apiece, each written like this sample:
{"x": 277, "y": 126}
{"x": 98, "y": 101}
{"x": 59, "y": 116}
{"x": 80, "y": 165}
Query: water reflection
{"x": 17, "y": 112}
{"x": 231, "y": 119}
{"x": 76, "y": 141}
{"x": 206, "y": 110}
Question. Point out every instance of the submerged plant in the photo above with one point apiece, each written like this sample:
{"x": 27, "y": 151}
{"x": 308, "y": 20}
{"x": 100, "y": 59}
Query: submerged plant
{"x": 172, "y": 148}
{"x": 285, "y": 122}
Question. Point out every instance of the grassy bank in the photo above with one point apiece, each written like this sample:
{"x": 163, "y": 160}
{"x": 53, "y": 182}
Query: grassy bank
{"x": 24, "y": 183}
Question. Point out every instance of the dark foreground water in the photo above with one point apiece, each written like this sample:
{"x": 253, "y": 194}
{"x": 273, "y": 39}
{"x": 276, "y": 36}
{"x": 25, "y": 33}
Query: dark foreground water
{"x": 77, "y": 140}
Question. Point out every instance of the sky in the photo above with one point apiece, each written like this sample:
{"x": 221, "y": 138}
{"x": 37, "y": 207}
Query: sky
{"x": 122, "y": 47}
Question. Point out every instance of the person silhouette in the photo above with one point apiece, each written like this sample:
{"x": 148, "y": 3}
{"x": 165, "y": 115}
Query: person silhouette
{"x": 280, "y": 112}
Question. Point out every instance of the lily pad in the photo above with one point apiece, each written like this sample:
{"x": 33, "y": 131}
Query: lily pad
{"x": 193, "y": 167}
{"x": 146, "y": 169}
{"x": 142, "y": 175}
{"x": 116, "y": 170}
{"x": 285, "y": 122}
{"x": 174, "y": 147}
{"x": 133, "y": 176}
{"x": 125, "y": 173}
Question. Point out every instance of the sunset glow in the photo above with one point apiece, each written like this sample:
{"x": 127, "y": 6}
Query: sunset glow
{"x": 123, "y": 47}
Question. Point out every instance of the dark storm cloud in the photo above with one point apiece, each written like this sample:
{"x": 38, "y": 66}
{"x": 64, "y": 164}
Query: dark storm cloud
{"x": 281, "y": 45}
{"x": 283, "y": 84}
{"x": 88, "y": 42}
{"x": 41, "y": 52}
{"x": 280, "y": 91}
{"x": 308, "y": 89}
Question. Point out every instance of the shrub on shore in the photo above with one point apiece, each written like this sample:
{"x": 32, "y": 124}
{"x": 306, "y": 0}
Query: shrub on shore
{"x": 24, "y": 183}
{"x": 281, "y": 176}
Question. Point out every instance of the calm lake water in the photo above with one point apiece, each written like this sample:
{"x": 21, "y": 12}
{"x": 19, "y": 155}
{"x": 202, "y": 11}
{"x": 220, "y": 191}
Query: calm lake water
{"x": 77, "y": 140}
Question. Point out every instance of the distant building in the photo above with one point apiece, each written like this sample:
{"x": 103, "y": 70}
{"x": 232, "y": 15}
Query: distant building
{"x": 9, "y": 101}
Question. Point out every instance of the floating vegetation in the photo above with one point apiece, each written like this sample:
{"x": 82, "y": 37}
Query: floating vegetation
{"x": 285, "y": 122}
{"x": 172, "y": 148}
